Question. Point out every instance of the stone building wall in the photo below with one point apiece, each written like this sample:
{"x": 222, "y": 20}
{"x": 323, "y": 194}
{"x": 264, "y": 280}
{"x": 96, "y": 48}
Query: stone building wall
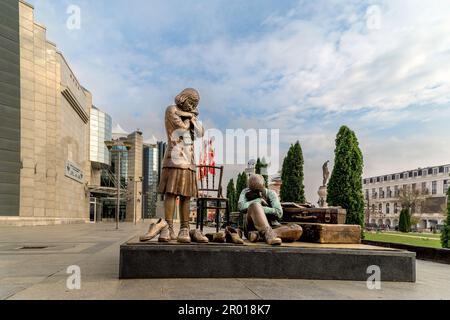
{"x": 9, "y": 109}
{"x": 73, "y": 146}
{"x": 135, "y": 172}
{"x": 53, "y": 132}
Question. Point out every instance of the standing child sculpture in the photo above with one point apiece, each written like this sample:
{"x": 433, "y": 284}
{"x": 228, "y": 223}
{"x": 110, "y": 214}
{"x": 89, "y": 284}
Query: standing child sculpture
{"x": 179, "y": 178}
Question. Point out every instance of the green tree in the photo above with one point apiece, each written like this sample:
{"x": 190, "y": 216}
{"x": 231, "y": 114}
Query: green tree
{"x": 238, "y": 185}
{"x": 345, "y": 186}
{"x": 404, "y": 224}
{"x": 260, "y": 165}
{"x": 231, "y": 195}
{"x": 445, "y": 236}
{"x": 411, "y": 198}
{"x": 241, "y": 184}
{"x": 292, "y": 187}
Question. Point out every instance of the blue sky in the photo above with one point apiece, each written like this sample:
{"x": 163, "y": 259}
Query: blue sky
{"x": 304, "y": 67}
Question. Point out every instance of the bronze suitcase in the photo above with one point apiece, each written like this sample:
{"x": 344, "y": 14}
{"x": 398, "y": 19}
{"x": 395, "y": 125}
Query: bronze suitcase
{"x": 299, "y": 213}
{"x": 330, "y": 234}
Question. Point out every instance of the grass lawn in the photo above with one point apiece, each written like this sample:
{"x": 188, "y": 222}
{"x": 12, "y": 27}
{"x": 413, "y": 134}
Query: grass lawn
{"x": 418, "y": 235}
{"x": 393, "y": 238}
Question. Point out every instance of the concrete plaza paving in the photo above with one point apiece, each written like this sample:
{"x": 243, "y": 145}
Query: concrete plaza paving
{"x": 30, "y": 271}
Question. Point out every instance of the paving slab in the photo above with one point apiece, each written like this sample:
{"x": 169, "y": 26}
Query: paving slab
{"x": 100, "y": 266}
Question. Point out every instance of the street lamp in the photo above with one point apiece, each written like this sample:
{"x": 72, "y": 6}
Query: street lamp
{"x": 116, "y": 146}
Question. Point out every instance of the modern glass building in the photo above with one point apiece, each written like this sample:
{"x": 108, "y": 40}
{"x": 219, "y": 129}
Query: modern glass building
{"x": 101, "y": 131}
{"x": 150, "y": 181}
{"x": 123, "y": 165}
{"x": 162, "y": 146}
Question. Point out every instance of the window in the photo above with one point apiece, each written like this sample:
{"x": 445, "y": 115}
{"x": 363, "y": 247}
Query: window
{"x": 381, "y": 193}
{"x": 397, "y": 176}
{"x": 389, "y": 192}
{"x": 435, "y": 171}
{"x": 416, "y": 174}
{"x": 424, "y": 188}
{"x": 396, "y": 191}
{"x": 446, "y": 170}
{"x": 380, "y": 208}
{"x": 445, "y": 186}
{"x": 424, "y": 173}
{"x": 373, "y": 208}
{"x": 374, "y": 193}
{"x": 388, "y": 208}
{"x": 434, "y": 187}
{"x": 395, "y": 207}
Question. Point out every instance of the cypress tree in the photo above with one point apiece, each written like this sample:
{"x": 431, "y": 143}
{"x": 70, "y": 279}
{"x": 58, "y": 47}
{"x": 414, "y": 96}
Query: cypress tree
{"x": 231, "y": 195}
{"x": 284, "y": 174}
{"x": 345, "y": 186}
{"x": 258, "y": 170}
{"x": 445, "y": 236}
{"x": 258, "y": 166}
{"x": 241, "y": 184}
{"x": 404, "y": 224}
{"x": 238, "y": 191}
{"x": 292, "y": 187}
{"x": 238, "y": 185}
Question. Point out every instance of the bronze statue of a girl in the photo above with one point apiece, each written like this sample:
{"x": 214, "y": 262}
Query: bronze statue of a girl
{"x": 179, "y": 178}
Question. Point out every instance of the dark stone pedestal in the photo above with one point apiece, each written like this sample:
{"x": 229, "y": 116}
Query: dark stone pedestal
{"x": 291, "y": 261}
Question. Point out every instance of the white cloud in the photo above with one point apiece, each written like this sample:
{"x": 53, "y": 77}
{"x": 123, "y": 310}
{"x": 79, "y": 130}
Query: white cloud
{"x": 306, "y": 72}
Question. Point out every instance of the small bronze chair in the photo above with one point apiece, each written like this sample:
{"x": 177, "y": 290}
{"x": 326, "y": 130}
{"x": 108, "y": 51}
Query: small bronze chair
{"x": 210, "y": 195}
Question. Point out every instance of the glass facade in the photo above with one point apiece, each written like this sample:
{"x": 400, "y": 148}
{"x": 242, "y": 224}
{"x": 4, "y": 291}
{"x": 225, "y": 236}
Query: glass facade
{"x": 151, "y": 165}
{"x": 109, "y": 209}
{"x": 123, "y": 164}
{"x": 101, "y": 131}
{"x": 162, "y": 146}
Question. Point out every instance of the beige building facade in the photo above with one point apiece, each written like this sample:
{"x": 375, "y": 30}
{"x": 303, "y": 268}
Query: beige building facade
{"x": 383, "y": 203}
{"x": 135, "y": 177}
{"x": 53, "y": 161}
{"x": 54, "y": 133}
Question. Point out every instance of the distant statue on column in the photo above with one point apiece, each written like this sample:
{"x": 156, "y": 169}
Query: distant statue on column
{"x": 326, "y": 173}
{"x": 323, "y": 192}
